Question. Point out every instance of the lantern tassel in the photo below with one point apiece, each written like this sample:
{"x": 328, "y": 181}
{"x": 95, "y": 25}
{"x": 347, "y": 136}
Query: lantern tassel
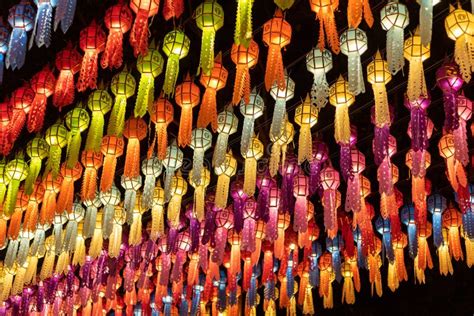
{"x": 241, "y": 85}
{"x": 356, "y": 76}
{"x": 34, "y": 170}
{"x": 319, "y": 90}
{"x": 243, "y": 24}
{"x": 139, "y": 33}
{"x": 146, "y": 88}
{"x": 113, "y": 53}
{"x": 173, "y": 8}
{"x": 185, "y": 126}
{"x": 445, "y": 264}
{"x": 162, "y": 140}
{"x": 426, "y": 21}
{"x": 47, "y": 266}
{"x": 304, "y": 144}
{"x": 172, "y": 71}
{"x": 157, "y": 222}
{"x": 342, "y": 132}
{"x": 115, "y": 241}
{"x": 64, "y": 89}
{"x": 108, "y": 172}
{"x": 464, "y": 57}
{"x": 382, "y": 112}
{"x": 206, "y": 61}
{"x": 275, "y": 159}
{"x": 89, "y": 71}
{"x": 42, "y": 29}
{"x": 89, "y": 184}
{"x": 208, "y": 110}
{"x": 79, "y": 257}
{"x": 274, "y": 72}
{"x": 395, "y": 58}
{"x": 37, "y": 113}
{"x": 66, "y": 196}
{"x": 96, "y": 130}
{"x": 117, "y": 117}
{"x": 250, "y": 176}
{"x": 48, "y": 207}
{"x": 64, "y": 14}
{"x": 17, "y": 49}
{"x": 220, "y": 150}
{"x": 278, "y": 121}
{"x": 16, "y": 124}
{"x": 416, "y": 87}
{"x": 132, "y": 158}
{"x": 327, "y": 26}
{"x": 222, "y": 191}
{"x": 461, "y": 152}
{"x": 10, "y": 201}
{"x": 73, "y": 149}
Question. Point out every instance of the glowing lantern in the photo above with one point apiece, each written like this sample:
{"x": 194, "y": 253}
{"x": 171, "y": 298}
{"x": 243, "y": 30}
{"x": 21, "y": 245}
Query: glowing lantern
{"x": 157, "y": 213}
{"x": 378, "y": 75}
{"x": 452, "y": 220}
{"x": 16, "y": 171}
{"x": 30, "y": 220}
{"x": 92, "y": 42}
{"x": 56, "y": 136}
{"x": 162, "y": 115}
{"x": 279, "y": 147}
{"x": 43, "y": 22}
{"x": 110, "y": 200}
{"x": 123, "y": 87}
{"x": 21, "y": 19}
{"x": 92, "y": 161}
{"x": 74, "y": 218}
{"x": 131, "y": 186}
{"x": 68, "y": 62}
{"x": 356, "y": 9}
{"x": 415, "y": 52}
{"x": 251, "y": 110}
{"x": 172, "y": 162}
{"x": 151, "y": 169}
{"x": 178, "y": 189}
{"x": 118, "y": 20}
{"x": 437, "y": 205}
{"x": 64, "y": 14}
{"x": 5, "y": 116}
{"x": 144, "y": 9}
{"x": 199, "y": 190}
{"x": 319, "y": 63}
{"x": 200, "y": 142}
{"x": 224, "y": 222}
{"x": 419, "y": 126}
{"x": 112, "y": 148}
{"x": 341, "y": 98}
{"x": 244, "y": 58}
{"x": 175, "y": 46}
{"x": 51, "y": 186}
{"x": 42, "y": 83}
{"x": 353, "y": 45}
{"x": 455, "y": 170}
{"x": 329, "y": 182}
{"x": 409, "y": 219}
{"x": 135, "y": 131}
{"x": 115, "y": 238}
{"x": 79, "y": 247}
{"x": 306, "y": 116}
{"x": 252, "y": 155}
{"x": 399, "y": 265}
{"x": 99, "y": 102}
{"x": 187, "y": 96}
{"x": 20, "y": 102}
{"x": 353, "y": 194}
{"x": 4, "y": 181}
{"x": 90, "y": 218}
{"x": 327, "y": 276}
{"x": 324, "y": 10}
{"x": 426, "y": 20}
{"x": 224, "y": 172}
{"x": 66, "y": 191}
{"x": 450, "y": 82}
{"x": 394, "y": 18}
{"x": 4, "y": 35}
{"x": 243, "y": 23}
{"x": 348, "y": 294}
{"x": 418, "y": 184}
{"x": 96, "y": 243}
{"x": 320, "y": 156}
{"x": 300, "y": 192}
{"x": 281, "y": 96}
{"x": 37, "y": 149}
{"x": 423, "y": 259}
{"x": 173, "y": 9}
{"x": 150, "y": 66}
{"x": 77, "y": 120}
{"x": 227, "y": 124}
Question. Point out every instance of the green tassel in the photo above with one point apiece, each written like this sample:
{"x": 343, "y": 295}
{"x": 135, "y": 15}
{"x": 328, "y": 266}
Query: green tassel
{"x": 73, "y": 149}
{"x": 34, "y": 170}
{"x": 172, "y": 71}
{"x": 3, "y": 191}
{"x": 96, "y": 130}
{"x": 54, "y": 160}
{"x": 145, "y": 95}
{"x": 117, "y": 118}
{"x": 12, "y": 193}
{"x": 206, "y": 61}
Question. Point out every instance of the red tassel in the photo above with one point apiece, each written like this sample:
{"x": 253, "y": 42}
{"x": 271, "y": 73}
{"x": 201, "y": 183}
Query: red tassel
{"x": 139, "y": 34}
{"x": 68, "y": 62}
{"x": 43, "y": 84}
{"x": 173, "y": 9}
{"x": 118, "y": 19}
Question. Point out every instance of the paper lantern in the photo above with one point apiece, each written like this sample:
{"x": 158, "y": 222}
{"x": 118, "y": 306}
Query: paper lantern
{"x": 21, "y": 19}
{"x": 209, "y": 17}
{"x": 51, "y": 186}
{"x": 329, "y": 182}
{"x": 100, "y": 103}
{"x": 16, "y": 171}
{"x": 394, "y": 18}
{"x": 66, "y": 191}
{"x": 437, "y": 205}
{"x": 426, "y": 20}
{"x": 42, "y": 83}
{"x": 4, "y": 35}
{"x": 135, "y": 131}
{"x": 173, "y": 9}
{"x": 68, "y": 62}
{"x": 324, "y": 10}
{"x": 5, "y": 117}
{"x": 74, "y": 218}
{"x": 300, "y": 192}
{"x": 200, "y": 142}
{"x": 56, "y": 136}
{"x": 244, "y": 58}
{"x": 43, "y": 23}
{"x": 418, "y": 123}
{"x": 251, "y": 110}
{"x": 187, "y": 97}
{"x": 37, "y": 149}
{"x": 123, "y": 87}
{"x": 130, "y": 205}
{"x": 449, "y": 81}
{"x": 320, "y": 156}
{"x": 64, "y": 14}
{"x": 353, "y": 194}
{"x": 356, "y": 9}
{"x": 151, "y": 169}
{"x": 199, "y": 190}
{"x": 419, "y": 191}
{"x": 144, "y": 9}
{"x": 452, "y": 220}
{"x": 92, "y": 41}
{"x": 118, "y": 20}
{"x": 409, "y": 219}
{"x": 251, "y": 156}
{"x": 172, "y": 162}
{"x": 224, "y": 171}
{"x": 77, "y": 120}
{"x": 319, "y": 63}
{"x": 111, "y": 148}
{"x": 110, "y": 200}
{"x": 178, "y": 189}
{"x": 279, "y": 147}
{"x": 378, "y": 76}
{"x": 157, "y": 213}
{"x": 455, "y": 170}
{"x": 91, "y": 161}
{"x": 150, "y": 66}
{"x": 20, "y": 102}
{"x": 281, "y": 96}
{"x": 175, "y": 46}
{"x": 227, "y": 124}
{"x": 306, "y": 116}
{"x": 243, "y": 23}
{"x": 341, "y": 98}
{"x": 353, "y": 45}
{"x": 416, "y": 52}
{"x": 162, "y": 115}
{"x": 464, "y": 110}
{"x": 423, "y": 260}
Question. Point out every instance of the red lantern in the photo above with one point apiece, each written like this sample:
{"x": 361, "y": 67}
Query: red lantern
{"x": 5, "y": 116}
{"x": 43, "y": 84}
{"x": 244, "y": 58}
{"x": 68, "y": 62}
{"x": 187, "y": 96}
{"x": 139, "y": 34}
{"x": 162, "y": 115}
{"x": 92, "y": 42}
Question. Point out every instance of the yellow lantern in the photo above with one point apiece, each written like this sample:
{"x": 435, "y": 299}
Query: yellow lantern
{"x": 15, "y": 171}
{"x": 252, "y": 155}
{"x": 378, "y": 76}
{"x": 224, "y": 172}
{"x": 157, "y": 213}
{"x": 56, "y": 137}
{"x": 37, "y": 149}
{"x": 279, "y": 147}
{"x": 199, "y": 190}
{"x": 100, "y": 103}
{"x": 341, "y": 98}
{"x": 415, "y": 52}
{"x": 306, "y": 116}
{"x": 179, "y": 187}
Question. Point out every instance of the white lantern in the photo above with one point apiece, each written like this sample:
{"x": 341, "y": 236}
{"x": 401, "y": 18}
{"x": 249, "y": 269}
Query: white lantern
{"x": 227, "y": 123}
{"x": 109, "y": 199}
{"x": 152, "y": 169}
{"x": 319, "y": 63}
{"x": 353, "y": 45}
{"x": 172, "y": 162}
{"x": 201, "y": 141}
{"x": 131, "y": 186}
{"x": 251, "y": 111}
{"x": 281, "y": 96}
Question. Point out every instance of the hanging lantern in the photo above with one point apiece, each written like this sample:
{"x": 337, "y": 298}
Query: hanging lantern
{"x": 244, "y": 58}
{"x": 150, "y": 66}
{"x": 42, "y": 83}
{"x": 251, "y": 110}
{"x": 419, "y": 186}
{"x": 464, "y": 110}
{"x": 110, "y": 200}
{"x": 16, "y": 171}
{"x": 37, "y": 149}
{"x": 415, "y": 52}
{"x": 157, "y": 213}
{"x": 42, "y": 28}
{"x": 324, "y": 10}
{"x": 452, "y": 221}
{"x": 68, "y": 62}
{"x": 394, "y": 18}
{"x": 51, "y": 187}
{"x": 56, "y": 136}
{"x": 224, "y": 171}
{"x": 21, "y": 19}
{"x": 100, "y": 103}
{"x": 356, "y": 9}
{"x": 115, "y": 238}
{"x": 329, "y": 182}
{"x": 123, "y": 87}
{"x": 378, "y": 76}
{"x": 178, "y": 189}
{"x": 423, "y": 260}
{"x": 320, "y": 156}
{"x": 426, "y": 20}
{"x": 227, "y": 124}
{"x": 66, "y": 191}
{"x": 281, "y": 96}
{"x": 175, "y": 46}
{"x": 130, "y": 205}
{"x": 162, "y": 115}
{"x": 187, "y": 97}
{"x": 77, "y": 120}
{"x": 92, "y": 161}
{"x": 111, "y": 148}
{"x": 200, "y": 142}
{"x": 199, "y": 190}
{"x": 454, "y": 169}
{"x": 437, "y": 205}
{"x": 418, "y": 124}
{"x": 449, "y": 81}
{"x": 135, "y": 131}
{"x": 92, "y": 42}
{"x": 151, "y": 169}
{"x": 319, "y": 63}
{"x": 353, "y": 194}
{"x": 279, "y": 147}
{"x": 4, "y": 35}
{"x": 341, "y": 98}
{"x": 144, "y": 9}
{"x": 5, "y": 117}
{"x": 64, "y": 14}
{"x": 251, "y": 156}
{"x": 301, "y": 192}
{"x": 20, "y": 102}
{"x": 353, "y": 45}
{"x": 173, "y": 9}
{"x": 306, "y": 116}
{"x": 172, "y": 162}
{"x": 118, "y": 20}
{"x": 243, "y": 23}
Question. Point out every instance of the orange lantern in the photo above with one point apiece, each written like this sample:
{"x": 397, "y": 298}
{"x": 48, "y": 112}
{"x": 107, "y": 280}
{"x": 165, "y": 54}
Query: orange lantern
{"x": 43, "y": 84}
{"x": 135, "y": 130}
{"x": 454, "y": 168}
{"x": 68, "y": 62}
{"x": 112, "y": 148}
{"x": 244, "y": 58}
{"x": 51, "y": 185}
{"x": 162, "y": 115}
{"x": 187, "y": 96}
{"x": 324, "y": 10}
{"x": 144, "y": 9}
{"x": 92, "y": 42}
{"x": 92, "y": 161}
{"x": 452, "y": 221}
{"x": 66, "y": 191}
{"x": 356, "y": 9}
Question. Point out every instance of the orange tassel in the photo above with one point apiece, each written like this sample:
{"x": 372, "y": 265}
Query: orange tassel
{"x": 66, "y": 192}
{"x": 161, "y": 114}
{"x": 31, "y": 214}
{"x": 15, "y": 224}
{"x": 112, "y": 148}
{"x": 92, "y": 161}
{"x": 244, "y": 59}
{"x": 327, "y": 23}
{"x": 135, "y": 130}
{"x": 51, "y": 189}
{"x": 3, "y": 231}
{"x": 187, "y": 96}
{"x": 356, "y": 9}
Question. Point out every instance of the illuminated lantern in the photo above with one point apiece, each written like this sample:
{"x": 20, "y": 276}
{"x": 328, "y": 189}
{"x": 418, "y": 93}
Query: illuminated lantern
{"x": 123, "y": 87}
{"x": 56, "y": 136}
{"x": 135, "y": 130}
{"x": 399, "y": 265}
{"x": 187, "y": 97}
{"x": 279, "y": 147}
{"x": 327, "y": 276}
{"x": 281, "y": 96}
{"x": 319, "y": 63}
{"x": 444, "y": 256}
{"x": 175, "y": 46}
{"x": 378, "y": 75}
{"x": 324, "y": 10}
{"x": 112, "y": 148}
{"x": 251, "y": 156}
{"x": 353, "y": 45}
{"x": 426, "y": 20}
{"x": 450, "y": 82}
{"x": 150, "y": 66}
{"x": 353, "y": 194}
{"x": 409, "y": 219}
{"x": 320, "y": 156}
{"x": 151, "y": 169}
{"x": 131, "y": 186}
{"x": 79, "y": 247}
{"x": 383, "y": 228}
{"x": 464, "y": 106}
{"x": 110, "y": 200}
{"x": 452, "y": 221}
{"x": 341, "y": 98}
{"x": 21, "y": 19}
{"x": 227, "y": 123}
{"x": 77, "y": 120}
{"x": 66, "y": 191}
{"x": 394, "y": 18}
{"x": 251, "y": 110}
{"x": 330, "y": 182}
{"x": 144, "y": 9}
{"x": 92, "y": 207}
{"x": 95, "y": 246}
{"x": 306, "y": 116}
{"x": 64, "y": 14}
{"x": 16, "y": 171}
{"x": 100, "y": 103}
{"x": 224, "y": 222}
{"x": 437, "y": 205}
{"x": 173, "y": 9}
{"x": 4, "y": 35}
{"x": 157, "y": 213}
{"x": 301, "y": 192}
{"x": 243, "y": 23}
{"x": 74, "y": 218}
{"x": 356, "y": 9}
{"x": 4, "y": 182}
{"x": 244, "y": 58}
{"x": 348, "y": 295}
{"x": 92, "y": 42}
{"x": 172, "y": 162}
{"x": 199, "y": 190}
{"x": 423, "y": 259}
{"x": 419, "y": 190}
{"x": 51, "y": 186}
{"x": 115, "y": 238}
{"x": 178, "y": 189}
{"x": 20, "y": 103}
{"x": 68, "y": 62}
{"x": 37, "y": 149}
{"x": 415, "y": 52}
{"x": 43, "y": 22}
{"x": 42, "y": 83}
{"x": 5, "y": 117}
{"x": 92, "y": 161}
{"x": 30, "y": 220}
{"x": 374, "y": 263}
{"x": 162, "y": 115}
{"x": 419, "y": 130}
{"x": 224, "y": 172}
{"x": 454, "y": 168}
{"x": 200, "y": 142}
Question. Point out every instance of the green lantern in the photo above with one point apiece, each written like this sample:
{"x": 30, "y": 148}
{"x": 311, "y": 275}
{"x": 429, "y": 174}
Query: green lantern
{"x": 15, "y": 172}
{"x": 100, "y": 103}
{"x": 37, "y": 149}
{"x": 175, "y": 46}
{"x": 56, "y": 137}
{"x": 284, "y": 4}
{"x": 77, "y": 120}
{"x": 123, "y": 87}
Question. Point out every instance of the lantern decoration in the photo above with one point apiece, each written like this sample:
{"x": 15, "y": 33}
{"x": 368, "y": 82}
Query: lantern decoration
{"x": 100, "y": 103}
{"x": 115, "y": 238}
{"x": 37, "y": 149}
{"x": 353, "y": 194}
{"x": 244, "y": 58}
{"x": 131, "y": 186}
{"x": 123, "y": 87}
{"x": 454, "y": 168}
{"x": 144, "y": 9}
{"x": 118, "y": 20}
{"x": 97, "y": 239}
{"x": 66, "y": 191}
{"x": 56, "y": 136}
{"x": 21, "y": 19}
{"x": 16, "y": 171}
{"x": 42, "y": 83}
{"x": 157, "y": 213}
{"x": 20, "y": 102}
{"x": 326, "y": 279}
{"x": 109, "y": 200}
{"x": 178, "y": 189}
{"x": 279, "y": 147}
{"x": 68, "y": 62}
{"x": 64, "y": 14}
{"x": 4, "y": 181}
{"x": 437, "y": 205}
{"x": 172, "y": 162}
{"x": 398, "y": 267}
{"x": 251, "y": 110}
{"x": 464, "y": 109}
{"x": 175, "y": 46}
{"x": 394, "y": 18}
{"x": 77, "y": 120}
{"x": 320, "y": 156}
{"x": 43, "y": 24}
{"x": 243, "y": 23}
{"x": 90, "y": 217}
{"x": 151, "y": 169}
{"x": 324, "y": 10}
{"x": 444, "y": 256}
{"x": 135, "y": 131}
{"x": 162, "y": 115}
{"x": 319, "y": 63}
{"x": 4, "y": 35}
{"x": 224, "y": 172}
{"x": 173, "y": 9}
{"x": 251, "y": 156}
{"x": 341, "y": 98}
{"x": 199, "y": 190}
{"x": 306, "y": 116}
{"x": 227, "y": 123}
{"x": 353, "y": 45}
{"x": 426, "y": 20}
{"x": 111, "y": 148}
{"x": 330, "y": 182}
{"x": 74, "y": 218}
{"x": 187, "y": 97}
{"x": 452, "y": 220}
{"x": 5, "y": 116}
{"x": 135, "y": 221}
{"x": 378, "y": 75}
{"x": 409, "y": 219}
{"x": 281, "y": 96}
{"x": 92, "y": 161}
{"x": 423, "y": 260}
{"x": 419, "y": 185}
{"x": 200, "y": 142}
{"x": 384, "y": 229}
{"x": 92, "y": 42}
{"x": 224, "y": 222}
{"x": 150, "y": 66}
{"x": 356, "y": 9}
{"x": 416, "y": 52}
{"x": 51, "y": 186}
{"x": 450, "y": 82}
{"x": 301, "y": 191}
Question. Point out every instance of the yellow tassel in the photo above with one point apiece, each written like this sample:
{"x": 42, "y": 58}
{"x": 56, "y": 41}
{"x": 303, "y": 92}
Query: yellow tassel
{"x": 328, "y": 301}
{"x": 445, "y": 264}
{"x": 19, "y": 281}
{"x": 308, "y": 305}
{"x": 222, "y": 191}
{"x": 48, "y": 265}
{"x": 135, "y": 236}
{"x": 7, "y": 284}
{"x": 342, "y": 127}
{"x": 250, "y": 176}
{"x": 115, "y": 241}
{"x": 392, "y": 277}
{"x": 469, "y": 251}
{"x": 30, "y": 275}
{"x": 95, "y": 246}
{"x": 79, "y": 257}
{"x": 348, "y": 294}
{"x": 63, "y": 262}
{"x": 174, "y": 206}
{"x": 157, "y": 222}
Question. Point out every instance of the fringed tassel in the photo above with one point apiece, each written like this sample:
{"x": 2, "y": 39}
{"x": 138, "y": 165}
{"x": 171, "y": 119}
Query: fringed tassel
{"x": 42, "y": 29}
{"x": 17, "y": 49}
{"x": 64, "y": 89}
{"x": 416, "y": 87}
{"x": 395, "y": 59}
{"x": 64, "y": 14}
{"x": 274, "y": 73}
{"x": 426, "y": 21}
{"x": 173, "y": 9}
{"x": 139, "y": 33}
{"x": 113, "y": 54}
{"x": 132, "y": 158}
{"x": 172, "y": 71}
{"x": 250, "y": 176}
{"x": 185, "y": 126}
{"x": 146, "y": 89}
{"x": 37, "y": 113}
{"x": 342, "y": 131}
{"x": 208, "y": 111}
{"x": 243, "y": 24}
{"x": 89, "y": 71}
{"x": 241, "y": 85}
{"x": 108, "y": 172}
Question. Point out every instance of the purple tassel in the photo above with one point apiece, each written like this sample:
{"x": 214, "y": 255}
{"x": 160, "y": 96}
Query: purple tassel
{"x": 381, "y": 143}
{"x": 451, "y": 118}
{"x": 345, "y": 161}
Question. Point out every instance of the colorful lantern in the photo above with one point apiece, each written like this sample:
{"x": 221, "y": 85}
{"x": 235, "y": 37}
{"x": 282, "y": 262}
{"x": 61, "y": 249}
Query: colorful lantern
{"x": 66, "y": 191}
{"x": 341, "y": 98}
{"x": 378, "y": 76}
{"x": 42, "y": 83}
{"x": 151, "y": 169}
{"x": 330, "y": 182}
{"x": 416, "y": 52}
{"x": 157, "y": 213}
{"x": 419, "y": 127}
{"x": 172, "y": 162}
{"x": 356, "y": 9}
{"x": 454, "y": 168}
{"x": 111, "y": 148}
{"x": 200, "y": 142}
{"x": 281, "y": 96}
{"x": 123, "y": 87}
{"x": 37, "y": 149}
{"x": 452, "y": 221}
{"x": 144, "y": 9}
{"x": 20, "y": 102}
{"x": 419, "y": 186}
{"x": 450, "y": 82}
{"x": 77, "y": 120}
{"x": 175, "y": 46}
{"x": 244, "y": 58}
{"x": 51, "y": 186}
{"x": 353, "y": 45}
{"x": 99, "y": 102}
{"x": 320, "y": 156}
{"x": 42, "y": 29}
{"x": 110, "y": 200}
{"x": 4, "y": 35}
{"x": 115, "y": 238}
{"x": 319, "y": 63}
{"x": 426, "y": 20}
{"x": 16, "y": 171}
{"x": 306, "y": 116}
{"x": 437, "y": 205}
{"x": 64, "y": 14}
{"x": 130, "y": 205}
{"x": 252, "y": 155}
{"x": 199, "y": 190}
{"x": 300, "y": 192}
{"x": 57, "y": 137}
{"x": 5, "y": 117}
{"x": 187, "y": 96}
{"x": 394, "y": 18}
{"x": 162, "y": 115}
{"x": 324, "y": 10}
{"x": 21, "y": 19}
{"x": 68, "y": 62}
{"x": 224, "y": 171}
{"x": 92, "y": 161}
{"x": 423, "y": 260}
{"x": 92, "y": 42}
{"x": 279, "y": 147}
{"x": 118, "y": 20}
{"x": 178, "y": 189}
{"x": 135, "y": 131}
{"x": 243, "y": 23}
{"x": 251, "y": 110}
{"x": 173, "y": 9}
{"x": 227, "y": 124}
{"x": 464, "y": 110}
{"x": 353, "y": 194}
